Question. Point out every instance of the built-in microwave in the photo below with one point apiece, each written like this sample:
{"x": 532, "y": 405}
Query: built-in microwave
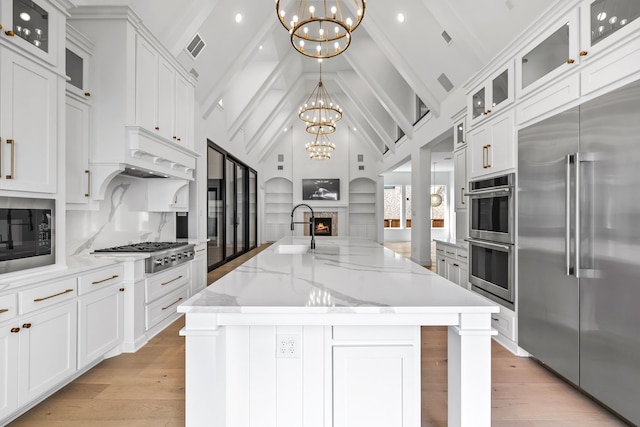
{"x": 492, "y": 209}
{"x": 26, "y": 233}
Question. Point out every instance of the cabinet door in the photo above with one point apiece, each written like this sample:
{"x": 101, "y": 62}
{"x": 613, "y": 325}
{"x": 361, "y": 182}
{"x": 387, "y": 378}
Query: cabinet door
{"x": 441, "y": 266}
{"x": 479, "y": 139}
{"x": 100, "y": 323}
{"x": 460, "y": 178}
{"x": 500, "y": 155}
{"x": 374, "y": 386}
{"x": 47, "y": 350}
{"x": 146, "y": 85}
{"x": 199, "y": 269}
{"x": 28, "y": 124}
{"x": 9, "y": 334}
{"x": 453, "y": 270}
{"x": 166, "y": 99}
{"x": 183, "y": 108}
{"x": 463, "y": 275}
{"x": 77, "y": 151}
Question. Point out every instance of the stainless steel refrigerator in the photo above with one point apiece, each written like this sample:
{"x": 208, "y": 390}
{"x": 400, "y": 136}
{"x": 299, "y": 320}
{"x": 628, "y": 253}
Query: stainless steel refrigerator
{"x": 579, "y": 246}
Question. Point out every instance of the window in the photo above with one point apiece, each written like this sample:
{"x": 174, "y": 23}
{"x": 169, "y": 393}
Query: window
{"x": 392, "y": 205}
{"x": 421, "y": 109}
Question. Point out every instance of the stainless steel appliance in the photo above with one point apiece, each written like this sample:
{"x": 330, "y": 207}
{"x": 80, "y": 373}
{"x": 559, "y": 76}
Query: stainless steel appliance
{"x": 26, "y": 233}
{"x": 579, "y": 246}
{"x": 162, "y": 255}
{"x": 492, "y": 209}
{"x": 491, "y": 270}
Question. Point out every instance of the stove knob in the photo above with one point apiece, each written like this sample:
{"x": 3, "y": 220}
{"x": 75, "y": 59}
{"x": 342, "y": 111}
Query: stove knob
{"x": 179, "y": 256}
{"x": 157, "y": 261}
{"x": 173, "y": 257}
{"x": 166, "y": 260}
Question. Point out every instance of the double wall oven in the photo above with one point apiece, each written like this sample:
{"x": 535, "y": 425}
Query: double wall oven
{"x": 492, "y": 237}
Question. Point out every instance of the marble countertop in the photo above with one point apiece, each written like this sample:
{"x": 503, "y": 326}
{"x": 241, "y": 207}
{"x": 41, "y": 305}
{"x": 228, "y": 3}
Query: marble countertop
{"x": 458, "y": 243}
{"x": 342, "y": 275}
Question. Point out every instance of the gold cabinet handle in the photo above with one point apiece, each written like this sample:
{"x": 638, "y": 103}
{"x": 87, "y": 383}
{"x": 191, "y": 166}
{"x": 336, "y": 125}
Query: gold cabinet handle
{"x": 455, "y": 265}
{"x": 173, "y": 303}
{"x": 172, "y": 280}
{"x": 462, "y": 256}
{"x": 174, "y": 137}
{"x": 583, "y": 53}
{"x": 87, "y": 94}
{"x": 495, "y": 319}
{"x": 570, "y": 61}
{"x": 13, "y": 159}
{"x": 179, "y": 139}
{"x": 53, "y": 296}
{"x": 488, "y": 147}
{"x": 88, "y": 193}
{"x": 26, "y": 325}
{"x": 97, "y": 282}
{"x": 157, "y": 128}
{"x": 10, "y": 33}
{"x": 15, "y": 330}
{"x": 3, "y": 310}
{"x": 462, "y": 196}
{"x": 121, "y": 289}
{"x": 484, "y": 156}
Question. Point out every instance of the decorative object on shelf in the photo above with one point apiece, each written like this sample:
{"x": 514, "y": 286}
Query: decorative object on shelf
{"x": 321, "y": 148}
{"x": 319, "y": 29}
{"x": 31, "y": 23}
{"x": 319, "y": 112}
{"x": 436, "y": 199}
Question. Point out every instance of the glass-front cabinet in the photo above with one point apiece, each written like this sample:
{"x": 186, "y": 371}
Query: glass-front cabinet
{"x": 495, "y": 93}
{"x": 33, "y": 25}
{"x": 553, "y": 53}
{"x": 601, "y": 19}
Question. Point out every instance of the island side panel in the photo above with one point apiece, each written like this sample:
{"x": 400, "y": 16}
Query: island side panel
{"x": 469, "y": 371}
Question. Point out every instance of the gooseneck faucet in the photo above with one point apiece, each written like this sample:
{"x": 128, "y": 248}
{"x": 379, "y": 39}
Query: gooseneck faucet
{"x": 312, "y": 222}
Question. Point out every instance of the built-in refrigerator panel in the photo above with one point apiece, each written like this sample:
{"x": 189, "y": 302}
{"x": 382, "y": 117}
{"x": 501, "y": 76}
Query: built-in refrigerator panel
{"x": 610, "y": 248}
{"x": 548, "y": 297}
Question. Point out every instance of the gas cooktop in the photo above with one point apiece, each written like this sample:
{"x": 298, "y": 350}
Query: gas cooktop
{"x": 144, "y": 247}
{"x": 162, "y": 255}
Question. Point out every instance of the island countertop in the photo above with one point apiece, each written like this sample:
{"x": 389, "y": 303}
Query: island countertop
{"x": 342, "y": 275}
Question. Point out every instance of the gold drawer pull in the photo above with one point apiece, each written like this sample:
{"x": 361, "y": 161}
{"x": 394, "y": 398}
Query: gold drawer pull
{"x": 172, "y": 280}
{"x": 583, "y": 53}
{"x": 13, "y": 159}
{"x": 121, "y": 289}
{"x": 10, "y": 33}
{"x": 3, "y": 310}
{"x": 53, "y": 296}
{"x": 570, "y": 61}
{"x": 173, "y": 303}
{"x": 15, "y": 330}
{"x": 462, "y": 256}
{"x": 115, "y": 276}
{"x": 495, "y": 319}
{"x": 26, "y": 325}
{"x": 88, "y": 193}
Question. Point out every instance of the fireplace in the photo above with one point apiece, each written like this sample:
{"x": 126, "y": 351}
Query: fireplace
{"x": 323, "y": 226}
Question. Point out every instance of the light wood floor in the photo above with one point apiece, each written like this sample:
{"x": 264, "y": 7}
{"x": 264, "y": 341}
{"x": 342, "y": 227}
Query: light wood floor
{"x": 147, "y": 388}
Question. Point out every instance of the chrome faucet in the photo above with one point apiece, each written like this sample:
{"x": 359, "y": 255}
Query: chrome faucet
{"x": 312, "y": 222}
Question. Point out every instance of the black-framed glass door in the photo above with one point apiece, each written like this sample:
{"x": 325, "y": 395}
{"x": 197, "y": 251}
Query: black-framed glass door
{"x": 232, "y": 220}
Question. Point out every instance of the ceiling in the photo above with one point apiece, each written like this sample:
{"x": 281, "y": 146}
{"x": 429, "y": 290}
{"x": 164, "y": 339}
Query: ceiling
{"x": 250, "y": 71}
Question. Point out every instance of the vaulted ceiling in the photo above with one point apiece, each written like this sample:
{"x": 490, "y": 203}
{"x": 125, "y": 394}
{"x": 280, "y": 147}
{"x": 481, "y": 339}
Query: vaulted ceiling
{"x": 251, "y": 68}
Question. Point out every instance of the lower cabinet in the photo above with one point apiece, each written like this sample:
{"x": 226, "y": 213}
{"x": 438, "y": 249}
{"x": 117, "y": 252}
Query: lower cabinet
{"x": 8, "y": 372}
{"x": 372, "y": 386}
{"x": 164, "y": 291}
{"x": 47, "y": 348}
{"x": 100, "y": 323}
{"x": 199, "y": 269}
{"x": 452, "y": 263}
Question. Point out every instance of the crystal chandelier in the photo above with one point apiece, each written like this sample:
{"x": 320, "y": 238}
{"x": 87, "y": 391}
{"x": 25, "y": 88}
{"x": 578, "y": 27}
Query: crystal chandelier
{"x": 319, "y": 112}
{"x": 319, "y": 29}
{"x": 321, "y": 148}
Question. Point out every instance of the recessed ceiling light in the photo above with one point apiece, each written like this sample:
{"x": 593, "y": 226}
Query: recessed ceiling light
{"x": 400, "y": 17}
{"x": 25, "y": 16}
{"x": 260, "y": 47}
{"x": 238, "y": 18}
{"x": 286, "y": 129}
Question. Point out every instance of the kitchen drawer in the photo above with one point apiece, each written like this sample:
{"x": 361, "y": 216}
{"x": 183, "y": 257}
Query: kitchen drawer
{"x": 99, "y": 279}
{"x": 47, "y": 295}
{"x": 8, "y": 307}
{"x": 385, "y": 334}
{"x": 167, "y": 281}
{"x": 462, "y": 255}
{"x": 164, "y": 307}
{"x": 503, "y": 322}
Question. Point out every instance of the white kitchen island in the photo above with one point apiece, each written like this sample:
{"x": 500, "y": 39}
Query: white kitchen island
{"x": 331, "y": 337}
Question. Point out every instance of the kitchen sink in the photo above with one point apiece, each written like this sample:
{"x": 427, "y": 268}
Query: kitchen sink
{"x": 291, "y": 249}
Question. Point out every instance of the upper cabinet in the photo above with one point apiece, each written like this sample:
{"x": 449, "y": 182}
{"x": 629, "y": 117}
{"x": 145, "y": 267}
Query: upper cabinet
{"x": 491, "y": 147}
{"x": 491, "y": 95}
{"x": 33, "y": 26}
{"x": 28, "y": 124}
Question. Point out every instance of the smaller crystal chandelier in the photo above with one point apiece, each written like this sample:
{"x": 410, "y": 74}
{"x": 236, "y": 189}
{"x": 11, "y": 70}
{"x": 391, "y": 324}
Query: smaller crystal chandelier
{"x": 320, "y": 33}
{"x": 319, "y": 112}
{"x": 321, "y": 148}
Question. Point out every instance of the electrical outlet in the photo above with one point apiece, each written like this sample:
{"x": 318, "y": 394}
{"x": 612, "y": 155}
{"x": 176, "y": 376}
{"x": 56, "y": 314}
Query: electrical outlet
{"x": 288, "y": 346}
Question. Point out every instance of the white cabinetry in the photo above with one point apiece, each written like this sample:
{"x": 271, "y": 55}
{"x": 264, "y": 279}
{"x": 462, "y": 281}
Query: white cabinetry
{"x": 492, "y": 146}
{"x": 47, "y": 344}
{"x": 278, "y": 206}
{"x": 28, "y": 124}
{"x": 492, "y": 95}
{"x": 163, "y": 292}
{"x": 452, "y": 263}
{"x": 8, "y": 367}
{"x": 460, "y": 178}
{"x": 100, "y": 313}
{"x": 78, "y": 175}
{"x": 362, "y": 208}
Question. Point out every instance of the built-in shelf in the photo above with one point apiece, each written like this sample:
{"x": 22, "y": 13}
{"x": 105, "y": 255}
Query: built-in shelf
{"x": 362, "y": 208}
{"x": 278, "y": 206}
